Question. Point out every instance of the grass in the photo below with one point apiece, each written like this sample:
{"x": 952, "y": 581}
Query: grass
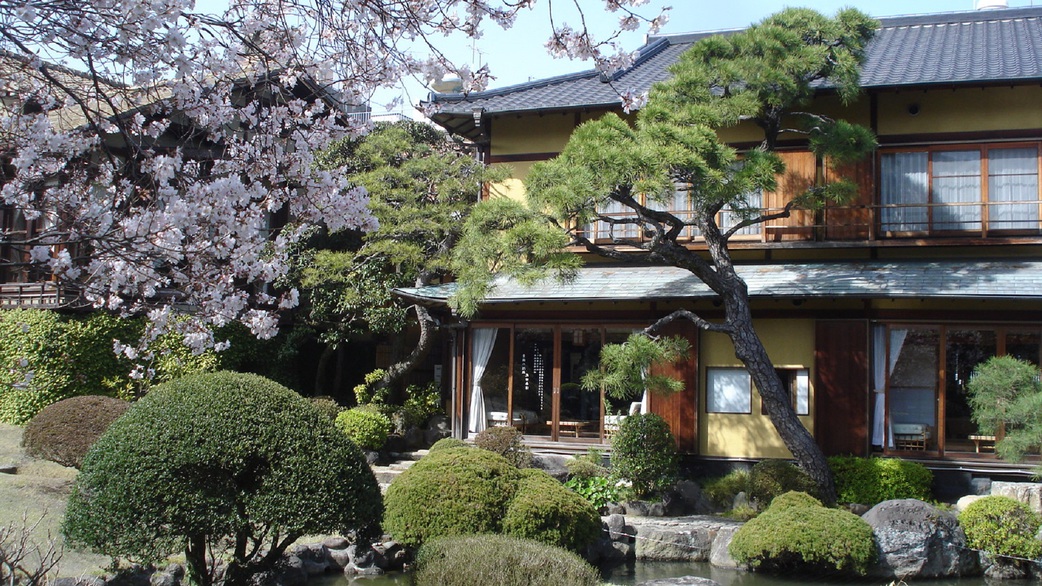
{"x": 38, "y": 491}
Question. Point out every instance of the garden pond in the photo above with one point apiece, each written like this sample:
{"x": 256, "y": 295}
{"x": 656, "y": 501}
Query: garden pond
{"x": 643, "y": 571}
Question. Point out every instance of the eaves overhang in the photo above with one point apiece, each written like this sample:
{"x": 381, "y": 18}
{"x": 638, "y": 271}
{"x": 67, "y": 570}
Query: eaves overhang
{"x": 1010, "y": 280}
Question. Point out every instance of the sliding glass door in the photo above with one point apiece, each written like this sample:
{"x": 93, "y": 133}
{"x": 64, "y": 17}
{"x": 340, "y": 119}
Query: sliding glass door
{"x": 530, "y": 377}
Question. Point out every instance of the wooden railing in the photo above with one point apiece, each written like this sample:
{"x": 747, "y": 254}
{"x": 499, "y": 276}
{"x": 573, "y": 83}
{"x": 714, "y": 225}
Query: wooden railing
{"x": 40, "y": 295}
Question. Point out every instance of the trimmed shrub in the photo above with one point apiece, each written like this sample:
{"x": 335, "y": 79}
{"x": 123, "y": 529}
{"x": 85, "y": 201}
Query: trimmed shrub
{"x": 507, "y": 442}
{"x": 799, "y": 535}
{"x": 1002, "y": 526}
{"x": 447, "y": 443}
{"x": 547, "y": 512}
{"x": 870, "y": 481}
{"x": 644, "y": 452}
{"x": 456, "y": 491}
{"x": 586, "y": 465}
{"x": 792, "y": 499}
{"x": 327, "y": 406}
{"x": 63, "y": 432}
{"x": 500, "y": 560}
{"x": 366, "y": 427}
{"x": 211, "y": 457}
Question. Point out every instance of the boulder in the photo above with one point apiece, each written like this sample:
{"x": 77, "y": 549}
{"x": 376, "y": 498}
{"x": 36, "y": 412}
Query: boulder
{"x": 998, "y": 568}
{"x": 681, "y": 539}
{"x": 682, "y": 581}
{"x": 552, "y": 464}
{"x": 290, "y": 571}
{"x": 1029, "y": 493}
{"x": 616, "y": 525}
{"x": 981, "y": 486}
{"x": 720, "y": 556}
{"x": 966, "y": 501}
{"x": 917, "y": 540}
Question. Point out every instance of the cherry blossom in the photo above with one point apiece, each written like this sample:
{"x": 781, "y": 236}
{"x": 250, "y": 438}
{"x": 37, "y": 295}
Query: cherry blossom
{"x": 167, "y": 159}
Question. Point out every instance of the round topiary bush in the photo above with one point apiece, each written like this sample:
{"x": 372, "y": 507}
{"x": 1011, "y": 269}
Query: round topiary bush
{"x": 1002, "y": 526}
{"x": 500, "y": 560}
{"x": 455, "y": 491}
{"x": 797, "y": 534}
{"x": 219, "y": 458}
{"x": 447, "y": 443}
{"x": 366, "y": 427}
{"x": 544, "y": 510}
{"x": 644, "y": 452}
{"x": 870, "y": 481}
{"x": 327, "y": 405}
{"x": 507, "y": 442}
{"x": 63, "y": 432}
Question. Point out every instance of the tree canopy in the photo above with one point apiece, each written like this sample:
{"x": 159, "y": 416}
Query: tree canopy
{"x": 148, "y": 146}
{"x": 766, "y": 76}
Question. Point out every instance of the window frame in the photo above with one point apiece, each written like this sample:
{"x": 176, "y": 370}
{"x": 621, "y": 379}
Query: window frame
{"x": 983, "y": 203}
{"x": 710, "y": 403}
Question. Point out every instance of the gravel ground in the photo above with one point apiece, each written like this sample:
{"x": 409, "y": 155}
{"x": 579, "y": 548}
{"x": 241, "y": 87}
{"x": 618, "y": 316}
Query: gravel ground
{"x": 38, "y": 490}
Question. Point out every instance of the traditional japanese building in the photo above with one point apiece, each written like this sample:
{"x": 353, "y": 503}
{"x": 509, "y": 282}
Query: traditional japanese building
{"x": 875, "y": 312}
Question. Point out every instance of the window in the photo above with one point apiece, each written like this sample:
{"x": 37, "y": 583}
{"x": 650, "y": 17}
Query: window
{"x": 729, "y": 390}
{"x": 959, "y": 190}
{"x": 796, "y": 382}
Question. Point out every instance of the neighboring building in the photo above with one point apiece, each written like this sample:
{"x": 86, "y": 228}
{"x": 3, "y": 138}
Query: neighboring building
{"x": 875, "y": 313}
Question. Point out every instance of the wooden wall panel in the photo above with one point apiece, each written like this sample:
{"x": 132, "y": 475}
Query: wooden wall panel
{"x": 680, "y": 410}
{"x": 800, "y": 171}
{"x": 841, "y": 390}
{"x": 854, "y": 220}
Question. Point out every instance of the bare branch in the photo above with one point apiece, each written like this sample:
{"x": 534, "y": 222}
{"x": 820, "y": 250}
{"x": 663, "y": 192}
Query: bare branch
{"x": 692, "y": 317}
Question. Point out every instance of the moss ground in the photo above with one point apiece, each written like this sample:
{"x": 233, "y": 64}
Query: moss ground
{"x": 38, "y": 491}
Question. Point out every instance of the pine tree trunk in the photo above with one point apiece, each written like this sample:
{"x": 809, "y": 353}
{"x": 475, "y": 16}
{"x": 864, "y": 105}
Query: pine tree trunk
{"x": 749, "y": 349}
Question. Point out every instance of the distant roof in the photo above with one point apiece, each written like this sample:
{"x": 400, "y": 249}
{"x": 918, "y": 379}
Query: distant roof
{"x": 961, "y": 279}
{"x": 976, "y": 47}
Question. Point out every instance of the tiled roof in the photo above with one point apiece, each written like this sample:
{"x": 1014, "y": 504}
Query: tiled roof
{"x": 963, "y": 279}
{"x": 989, "y": 46}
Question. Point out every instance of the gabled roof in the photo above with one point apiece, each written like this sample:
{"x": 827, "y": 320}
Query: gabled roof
{"x": 952, "y": 279}
{"x": 959, "y": 48}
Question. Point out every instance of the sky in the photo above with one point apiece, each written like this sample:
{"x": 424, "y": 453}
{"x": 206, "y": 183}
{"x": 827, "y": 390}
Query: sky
{"x": 518, "y": 55}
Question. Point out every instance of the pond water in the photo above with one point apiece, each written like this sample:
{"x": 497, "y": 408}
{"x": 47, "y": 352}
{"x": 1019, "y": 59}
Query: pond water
{"x": 642, "y": 571}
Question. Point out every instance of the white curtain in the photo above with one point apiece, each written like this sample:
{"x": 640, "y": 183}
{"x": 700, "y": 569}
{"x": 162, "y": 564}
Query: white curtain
{"x": 879, "y": 370}
{"x": 904, "y": 184}
{"x": 1013, "y": 189}
{"x": 484, "y": 339}
{"x": 957, "y": 190}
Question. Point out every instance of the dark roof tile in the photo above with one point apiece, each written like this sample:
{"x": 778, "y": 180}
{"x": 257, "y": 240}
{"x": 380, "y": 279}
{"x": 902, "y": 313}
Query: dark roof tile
{"x": 993, "y": 46}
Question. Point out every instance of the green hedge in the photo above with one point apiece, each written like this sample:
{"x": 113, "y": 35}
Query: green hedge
{"x": 1002, "y": 526}
{"x": 870, "y": 481}
{"x": 797, "y": 534}
{"x": 499, "y": 560}
{"x": 72, "y": 355}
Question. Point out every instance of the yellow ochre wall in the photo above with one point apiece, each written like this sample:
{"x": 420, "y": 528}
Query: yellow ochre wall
{"x": 790, "y": 344}
{"x": 961, "y": 110}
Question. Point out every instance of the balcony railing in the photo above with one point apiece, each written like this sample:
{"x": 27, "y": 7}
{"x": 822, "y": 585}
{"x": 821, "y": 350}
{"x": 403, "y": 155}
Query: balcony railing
{"x": 866, "y": 223}
{"x": 41, "y": 295}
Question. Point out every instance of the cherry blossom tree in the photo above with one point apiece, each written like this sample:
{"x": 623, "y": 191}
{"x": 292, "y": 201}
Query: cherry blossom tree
{"x": 149, "y": 149}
